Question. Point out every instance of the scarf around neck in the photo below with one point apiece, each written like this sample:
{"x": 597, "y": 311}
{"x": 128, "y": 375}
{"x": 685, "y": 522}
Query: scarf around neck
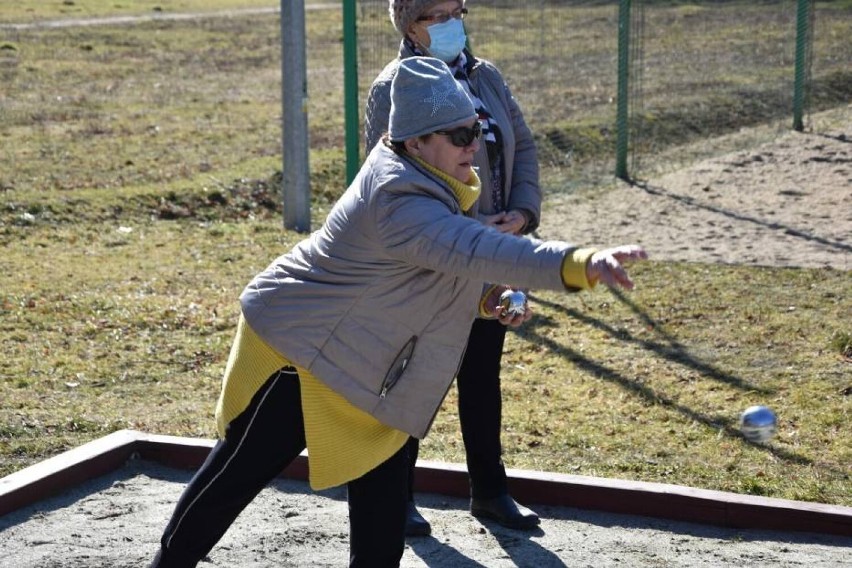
{"x": 466, "y": 193}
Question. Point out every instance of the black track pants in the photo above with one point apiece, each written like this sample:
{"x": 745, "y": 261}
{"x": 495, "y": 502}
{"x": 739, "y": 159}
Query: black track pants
{"x": 481, "y": 408}
{"x": 258, "y": 445}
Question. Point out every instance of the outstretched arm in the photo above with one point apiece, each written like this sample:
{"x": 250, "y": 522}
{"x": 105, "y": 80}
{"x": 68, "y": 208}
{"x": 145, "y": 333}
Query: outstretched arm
{"x": 607, "y": 266}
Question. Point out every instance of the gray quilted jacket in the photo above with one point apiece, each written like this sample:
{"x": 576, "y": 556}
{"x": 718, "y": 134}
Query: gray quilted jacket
{"x": 521, "y": 188}
{"x": 378, "y": 302}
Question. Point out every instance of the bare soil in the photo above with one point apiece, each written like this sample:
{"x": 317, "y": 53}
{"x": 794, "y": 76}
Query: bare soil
{"x": 116, "y": 522}
{"x": 787, "y": 202}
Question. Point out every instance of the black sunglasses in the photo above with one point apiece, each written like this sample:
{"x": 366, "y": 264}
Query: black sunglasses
{"x": 463, "y": 135}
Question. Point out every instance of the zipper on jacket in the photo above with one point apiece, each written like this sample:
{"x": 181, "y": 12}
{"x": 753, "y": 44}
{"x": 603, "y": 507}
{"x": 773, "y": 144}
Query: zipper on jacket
{"x": 398, "y": 366}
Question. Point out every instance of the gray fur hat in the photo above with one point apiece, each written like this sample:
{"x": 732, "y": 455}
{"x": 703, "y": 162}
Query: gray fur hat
{"x": 424, "y": 98}
{"x": 404, "y": 12}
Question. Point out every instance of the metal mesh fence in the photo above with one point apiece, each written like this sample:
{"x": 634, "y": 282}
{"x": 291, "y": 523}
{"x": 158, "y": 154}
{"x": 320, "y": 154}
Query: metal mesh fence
{"x": 830, "y": 59}
{"x": 701, "y": 74}
{"x": 706, "y": 77}
{"x": 712, "y": 69}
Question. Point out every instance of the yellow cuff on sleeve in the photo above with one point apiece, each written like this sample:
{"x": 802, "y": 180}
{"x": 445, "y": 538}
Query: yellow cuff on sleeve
{"x": 483, "y": 309}
{"x": 574, "y": 269}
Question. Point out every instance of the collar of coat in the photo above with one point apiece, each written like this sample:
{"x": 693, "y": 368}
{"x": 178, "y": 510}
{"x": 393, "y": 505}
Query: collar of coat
{"x": 466, "y": 193}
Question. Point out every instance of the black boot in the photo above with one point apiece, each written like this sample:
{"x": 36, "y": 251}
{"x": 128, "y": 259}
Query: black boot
{"x": 415, "y": 524}
{"x": 505, "y": 511}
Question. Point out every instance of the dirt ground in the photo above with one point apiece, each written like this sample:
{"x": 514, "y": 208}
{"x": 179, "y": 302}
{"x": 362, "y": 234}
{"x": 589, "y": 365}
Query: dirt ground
{"x": 115, "y": 522}
{"x": 785, "y": 203}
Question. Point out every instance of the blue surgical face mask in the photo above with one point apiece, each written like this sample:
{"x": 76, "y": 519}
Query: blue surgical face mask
{"x": 447, "y": 40}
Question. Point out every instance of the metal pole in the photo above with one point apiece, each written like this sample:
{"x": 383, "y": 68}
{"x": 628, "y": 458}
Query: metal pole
{"x": 296, "y": 187}
{"x": 623, "y": 80}
{"x": 350, "y": 89}
{"x": 802, "y": 47}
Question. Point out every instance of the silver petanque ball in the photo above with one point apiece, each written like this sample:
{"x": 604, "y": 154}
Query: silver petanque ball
{"x": 513, "y": 302}
{"x": 758, "y": 423}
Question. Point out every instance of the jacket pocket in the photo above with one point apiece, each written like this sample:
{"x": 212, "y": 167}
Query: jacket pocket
{"x": 398, "y": 366}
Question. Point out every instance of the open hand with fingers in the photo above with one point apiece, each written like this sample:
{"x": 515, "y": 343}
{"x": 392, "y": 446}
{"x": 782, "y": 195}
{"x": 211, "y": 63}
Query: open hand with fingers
{"x": 607, "y": 266}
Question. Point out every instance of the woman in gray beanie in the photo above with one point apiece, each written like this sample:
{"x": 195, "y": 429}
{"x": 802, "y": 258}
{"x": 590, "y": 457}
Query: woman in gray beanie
{"x": 510, "y": 202}
{"x": 347, "y": 344}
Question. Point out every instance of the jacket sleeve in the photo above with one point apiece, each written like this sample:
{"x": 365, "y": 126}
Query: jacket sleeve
{"x": 377, "y": 111}
{"x": 423, "y": 231}
{"x": 525, "y": 191}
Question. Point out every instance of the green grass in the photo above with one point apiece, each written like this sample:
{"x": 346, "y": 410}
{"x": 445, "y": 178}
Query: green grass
{"x": 130, "y": 327}
{"x": 139, "y": 170}
{"x": 40, "y": 10}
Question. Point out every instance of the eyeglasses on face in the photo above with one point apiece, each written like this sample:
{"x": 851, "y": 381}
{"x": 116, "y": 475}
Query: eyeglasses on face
{"x": 441, "y": 17}
{"x": 463, "y": 135}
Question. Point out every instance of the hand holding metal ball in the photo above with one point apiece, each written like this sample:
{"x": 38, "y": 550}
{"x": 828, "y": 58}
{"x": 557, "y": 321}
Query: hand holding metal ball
{"x": 513, "y": 302}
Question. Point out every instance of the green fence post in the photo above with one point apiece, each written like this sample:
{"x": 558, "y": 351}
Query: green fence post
{"x": 350, "y": 89}
{"x": 623, "y": 79}
{"x": 802, "y": 48}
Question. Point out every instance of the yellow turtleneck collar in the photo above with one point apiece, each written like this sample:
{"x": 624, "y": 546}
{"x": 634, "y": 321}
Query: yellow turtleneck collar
{"x": 466, "y": 193}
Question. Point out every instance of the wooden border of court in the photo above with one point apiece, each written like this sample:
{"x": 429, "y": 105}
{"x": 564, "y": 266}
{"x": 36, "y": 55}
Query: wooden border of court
{"x": 659, "y": 500}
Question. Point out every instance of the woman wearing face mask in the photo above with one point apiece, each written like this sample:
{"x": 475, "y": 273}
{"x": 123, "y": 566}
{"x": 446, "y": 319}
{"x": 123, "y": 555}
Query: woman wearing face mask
{"x": 348, "y": 343}
{"x": 510, "y": 201}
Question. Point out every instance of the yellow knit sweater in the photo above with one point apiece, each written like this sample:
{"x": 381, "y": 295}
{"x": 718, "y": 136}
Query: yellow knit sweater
{"x": 344, "y": 442}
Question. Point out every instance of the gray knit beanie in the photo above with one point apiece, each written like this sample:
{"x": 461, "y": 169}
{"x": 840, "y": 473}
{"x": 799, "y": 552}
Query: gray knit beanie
{"x": 404, "y": 12}
{"x": 424, "y": 98}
